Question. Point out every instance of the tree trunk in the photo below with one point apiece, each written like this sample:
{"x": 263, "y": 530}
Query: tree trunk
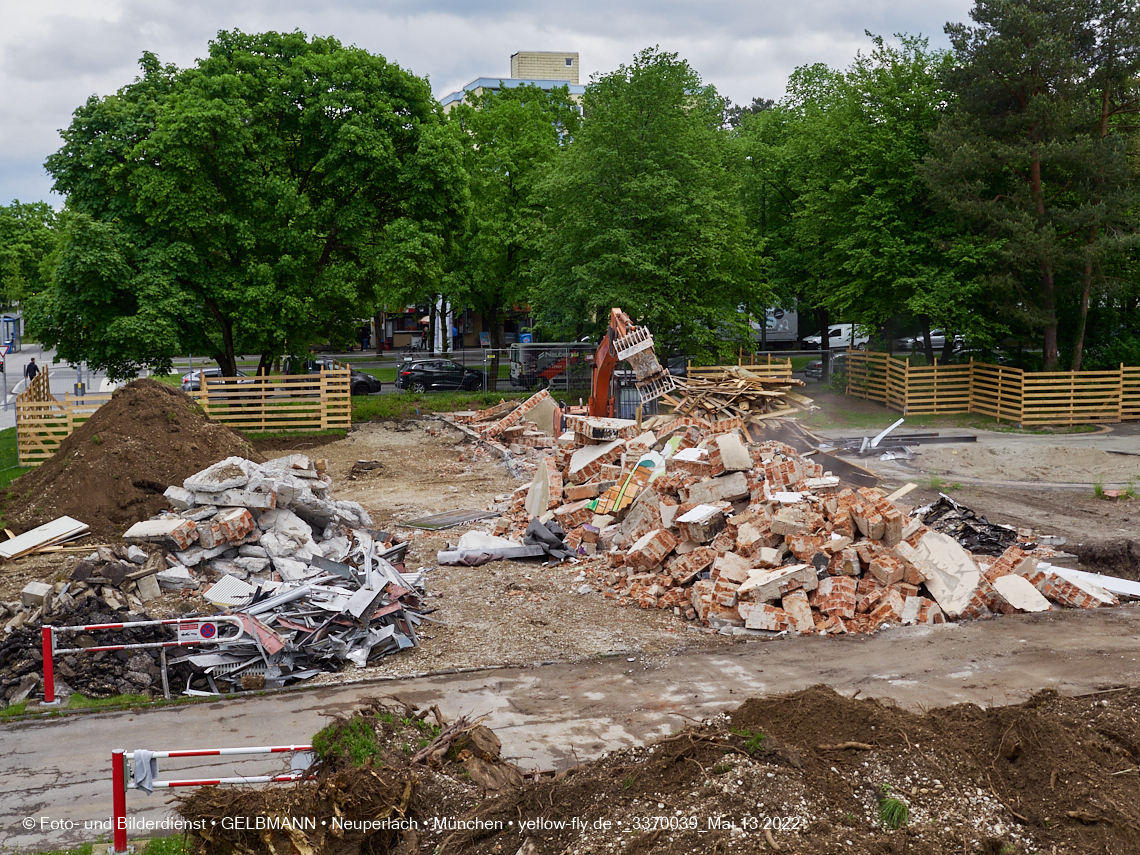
{"x": 1082, "y": 318}
{"x": 264, "y": 364}
{"x": 227, "y": 359}
{"x": 1048, "y": 284}
{"x": 927, "y": 344}
{"x": 823, "y": 317}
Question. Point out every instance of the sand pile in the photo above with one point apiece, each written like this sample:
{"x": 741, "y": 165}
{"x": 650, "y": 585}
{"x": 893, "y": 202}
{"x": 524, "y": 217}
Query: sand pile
{"x": 113, "y": 470}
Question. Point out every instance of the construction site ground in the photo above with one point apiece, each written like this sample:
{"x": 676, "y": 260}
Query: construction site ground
{"x": 623, "y": 676}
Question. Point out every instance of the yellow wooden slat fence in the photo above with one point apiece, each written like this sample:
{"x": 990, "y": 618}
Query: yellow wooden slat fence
{"x": 300, "y": 403}
{"x": 1006, "y": 394}
{"x": 761, "y": 364}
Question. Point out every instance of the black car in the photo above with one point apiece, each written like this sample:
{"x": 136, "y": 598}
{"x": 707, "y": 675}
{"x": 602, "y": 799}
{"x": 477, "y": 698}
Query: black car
{"x": 362, "y": 383}
{"x": 433, "y": 375}
{"x": 814, "y": 370}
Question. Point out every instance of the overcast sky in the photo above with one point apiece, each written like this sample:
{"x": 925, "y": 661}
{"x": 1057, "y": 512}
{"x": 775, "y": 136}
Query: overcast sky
{"x": 56, "y": 53}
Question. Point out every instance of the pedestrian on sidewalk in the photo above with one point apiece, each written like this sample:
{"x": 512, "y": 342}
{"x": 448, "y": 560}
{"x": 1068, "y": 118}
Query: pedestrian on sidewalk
{"x": 31, "y": 370}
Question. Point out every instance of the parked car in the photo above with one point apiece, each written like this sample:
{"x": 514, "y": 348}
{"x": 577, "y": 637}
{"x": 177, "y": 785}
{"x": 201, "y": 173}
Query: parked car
{"x": 814, "y": 369}
{"x": 678, "y": 366}
{"x": 192, "y": 380}
{"x": 840, "y": 337}
{"x": 432, "y": 375}
{"x": 362, "y": 382}
{"x": 937, "y": 340}
{"x": 988, "y": 356}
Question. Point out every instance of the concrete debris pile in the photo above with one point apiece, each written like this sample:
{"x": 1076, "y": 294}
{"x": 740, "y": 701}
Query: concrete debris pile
{"x": 695, "y": 518}
{"x": 314, "y": 586}
{"x": 244, "y": 519}
{"x": 104, "y": 596}
{"x": 736, "y": 393}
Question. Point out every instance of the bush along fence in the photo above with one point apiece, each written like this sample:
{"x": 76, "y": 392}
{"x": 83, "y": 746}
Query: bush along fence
{"x": 1004, "y": 393}
{"x": 294, "y": 403}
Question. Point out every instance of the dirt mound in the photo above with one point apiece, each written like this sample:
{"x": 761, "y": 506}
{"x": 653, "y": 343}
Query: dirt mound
{"x": 811, "y": 772}
{"x": 113, "y": 470}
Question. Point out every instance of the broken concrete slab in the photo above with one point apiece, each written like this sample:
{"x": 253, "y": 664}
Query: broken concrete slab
{"x": 229, "y": 474}
{"x": 179, "y": 532}
{"x": 1020, "y": 594}
{"x": 767, "y": 586}
{"x": 726, "y": 488}
{"x": 952, "y": 575}
{"x": 34, "y": 594}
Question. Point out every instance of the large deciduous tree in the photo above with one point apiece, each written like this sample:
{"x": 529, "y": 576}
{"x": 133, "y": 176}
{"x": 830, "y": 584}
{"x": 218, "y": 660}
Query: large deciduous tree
{"x": 28, "y": 237}
{"x": 513, "y": 138}
{"x": 264, "y": 198}
{"x": 644, "y": 214}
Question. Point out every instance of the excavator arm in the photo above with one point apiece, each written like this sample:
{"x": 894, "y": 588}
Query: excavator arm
{"x": 625, "y": 340}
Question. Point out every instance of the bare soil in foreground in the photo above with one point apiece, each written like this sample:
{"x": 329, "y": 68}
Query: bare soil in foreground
{"x": 810, "y": 772}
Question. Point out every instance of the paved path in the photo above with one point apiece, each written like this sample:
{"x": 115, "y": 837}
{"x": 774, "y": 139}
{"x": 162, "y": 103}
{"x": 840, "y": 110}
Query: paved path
{"x": 57, "y": 769}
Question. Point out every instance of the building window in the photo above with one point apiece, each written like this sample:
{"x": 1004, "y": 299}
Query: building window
{"x": 569, "y": 61}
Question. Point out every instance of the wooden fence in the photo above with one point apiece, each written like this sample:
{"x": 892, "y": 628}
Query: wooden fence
{"x": 762, "y": 364}
{"x": 1006, "y": 394}
{"x": 295, "y": 403}
{"x": 44, "y": 421}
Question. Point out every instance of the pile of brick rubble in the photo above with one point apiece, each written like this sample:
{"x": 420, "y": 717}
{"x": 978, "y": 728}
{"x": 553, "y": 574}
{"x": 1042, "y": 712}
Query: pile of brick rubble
{"x": 692, "y": 516}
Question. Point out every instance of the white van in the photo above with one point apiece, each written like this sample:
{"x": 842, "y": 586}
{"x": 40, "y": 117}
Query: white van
{"x": 842, "y": 336}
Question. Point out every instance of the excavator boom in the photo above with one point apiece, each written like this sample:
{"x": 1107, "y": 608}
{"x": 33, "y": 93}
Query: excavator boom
{"x": 624, "y": 340}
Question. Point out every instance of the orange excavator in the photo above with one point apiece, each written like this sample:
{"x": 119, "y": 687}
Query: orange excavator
{"x": 624, "y": 340}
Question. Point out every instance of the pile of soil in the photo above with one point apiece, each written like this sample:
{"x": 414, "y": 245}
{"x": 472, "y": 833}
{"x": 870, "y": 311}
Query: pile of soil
{"x": 112, "y": 471}
{"x": 807, "y": 772}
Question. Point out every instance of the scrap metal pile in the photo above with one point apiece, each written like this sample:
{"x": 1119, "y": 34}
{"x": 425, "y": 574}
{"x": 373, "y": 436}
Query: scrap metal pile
{"x": 312, "y": 584}
{"x": 736, "y": 393}
{"x": 694, "y": 517}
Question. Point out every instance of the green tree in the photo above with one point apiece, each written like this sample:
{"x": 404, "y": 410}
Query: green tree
{"x": 643, "y": 213}
{"x": 1021, "y": 157}
{"x": 264, "y": 198}
{"x": 514, "y": 136}
{"x": 28, "y": 237}
{"x": 850, "y": 225}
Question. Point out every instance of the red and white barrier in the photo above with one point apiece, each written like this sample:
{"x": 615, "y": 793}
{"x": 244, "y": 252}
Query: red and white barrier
{"x": 121, "y": 779}
{"x": 191, "y": 632}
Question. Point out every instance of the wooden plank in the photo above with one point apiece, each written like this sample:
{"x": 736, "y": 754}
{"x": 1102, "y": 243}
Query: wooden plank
{"x": 44, "y": 535}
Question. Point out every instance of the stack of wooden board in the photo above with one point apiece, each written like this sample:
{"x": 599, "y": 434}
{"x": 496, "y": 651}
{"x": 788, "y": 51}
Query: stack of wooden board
{"x": 40, "y": 539}
{"x": 737, "y": 392}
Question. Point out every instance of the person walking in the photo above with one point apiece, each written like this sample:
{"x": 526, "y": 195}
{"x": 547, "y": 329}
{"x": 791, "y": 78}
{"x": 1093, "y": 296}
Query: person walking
{"x": 31, "y": 370}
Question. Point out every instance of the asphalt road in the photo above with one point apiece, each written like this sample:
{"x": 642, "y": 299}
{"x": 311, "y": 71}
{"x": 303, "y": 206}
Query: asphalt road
{"x": 57, "y": 770}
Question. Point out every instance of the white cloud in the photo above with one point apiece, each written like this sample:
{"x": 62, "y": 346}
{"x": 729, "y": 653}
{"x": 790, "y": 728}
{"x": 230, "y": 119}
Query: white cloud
{"x": 56, "y": 53}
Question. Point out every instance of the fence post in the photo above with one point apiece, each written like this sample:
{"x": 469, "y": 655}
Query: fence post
{"x": 49, "y": 665}
{"x": 119, "y": 800}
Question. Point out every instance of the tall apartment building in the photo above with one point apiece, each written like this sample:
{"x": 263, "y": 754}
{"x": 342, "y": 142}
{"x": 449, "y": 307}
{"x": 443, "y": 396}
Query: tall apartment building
{"x": 545, "y": 69}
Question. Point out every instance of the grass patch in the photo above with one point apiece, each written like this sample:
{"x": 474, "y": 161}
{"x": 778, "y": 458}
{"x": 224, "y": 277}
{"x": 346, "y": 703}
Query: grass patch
{"x": 354, "y": 739}
{"x": 893, "y": 813}
{"x": 384, "y": 374}
{"x": 1098, "y": 487}
{"x": 85, "y": 849}
{"x": 166, "y": 846}
{"x": 10, "y": 469}
{"x": 14, "y": 709}
{"x": 292, "y": 434}
{"x": 409, "y": 405}
{"x": 799, "y": 363}
{"x": 168, "y": 379}
{"x": 82, "y": 702}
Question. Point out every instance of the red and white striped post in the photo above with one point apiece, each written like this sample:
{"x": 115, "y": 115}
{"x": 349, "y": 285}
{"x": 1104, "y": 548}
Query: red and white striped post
{"x": 119, "y": 779}
{"x": 119, "y": 800}
{"x": 49, "y": 665}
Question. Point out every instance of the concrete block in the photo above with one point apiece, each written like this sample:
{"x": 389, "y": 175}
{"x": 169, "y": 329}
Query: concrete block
{"x": 136, "y": 555}
{"x": 587, "y": 462}
{"x": 731, "y": 567}
{"x": 34, "y": 594}
{"x": 1019, "y": 594}
{"x": 210, "y": 534}
{"x": 229, "y": 474}
{"x": 234, "y": 523}
{"x": 148, "y": 587}
{"x": 726, "y": 488}
{"x": 702, "y": 523}
{"x": 734, "y": 455}
{"x": 650, "y": 550}
{"x": 686, "y": 567}
{"x": 767, "y": 586}
{"x": 176, "y": 579}
{"x": 764, "y": 616}
{"x": 795, "y": 603}
{"x": 180, "y": 498}
{"x": 952, "y": 577}
{"x": 180, "y": 532}
{"x": 767, "y": 557}
{"x": 238, "y": 499}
